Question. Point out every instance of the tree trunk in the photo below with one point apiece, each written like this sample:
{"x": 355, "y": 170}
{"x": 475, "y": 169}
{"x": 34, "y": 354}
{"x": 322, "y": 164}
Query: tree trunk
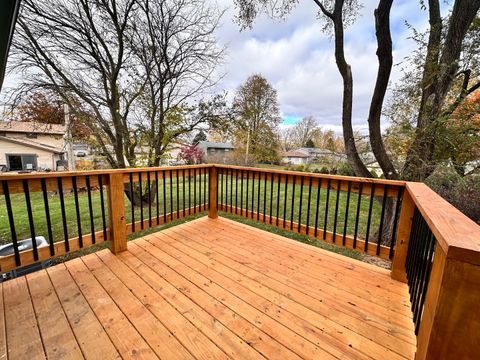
{"x": 345, "y": 70}
{"x": 385, "y": 59}
{"x": 439, "y": 72}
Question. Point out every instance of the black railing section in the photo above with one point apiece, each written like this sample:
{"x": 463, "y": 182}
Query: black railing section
{"x": 160, "y": 196}
{"x": 421, "y": 250}
{"x": 67, "y": 213}
{"x": 354, "y": 214}
{"x": 50, "y": 216}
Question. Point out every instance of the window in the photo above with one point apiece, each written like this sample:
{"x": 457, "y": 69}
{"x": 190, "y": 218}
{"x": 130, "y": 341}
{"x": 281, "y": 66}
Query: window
{"x": 31, "y": 135}
{"x": 19, "y": 162}
{"x": 3, "y": 133}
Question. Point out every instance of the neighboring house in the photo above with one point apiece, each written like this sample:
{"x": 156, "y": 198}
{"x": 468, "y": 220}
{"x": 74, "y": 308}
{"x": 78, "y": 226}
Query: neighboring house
{"x": 295, "y": 157}
{"x": 215, "y": 148}
{"x": 310, "y": 156}
{"x": 26, "y": 146}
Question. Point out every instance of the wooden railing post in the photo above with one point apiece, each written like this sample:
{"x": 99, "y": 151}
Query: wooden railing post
{"x": 213, "y": 180}
{"x": 404, "y": 228}
{"x": 116, "y": 207}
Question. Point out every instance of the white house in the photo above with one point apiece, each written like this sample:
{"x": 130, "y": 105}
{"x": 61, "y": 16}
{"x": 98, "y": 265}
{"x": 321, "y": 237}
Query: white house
{"x": 295, "y": 157}
{"x": 28, "y": 146}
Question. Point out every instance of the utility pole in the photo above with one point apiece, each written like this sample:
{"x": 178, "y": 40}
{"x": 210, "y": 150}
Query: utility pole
{"x": 248, "y": 144}
{"x": 68, "y": 139}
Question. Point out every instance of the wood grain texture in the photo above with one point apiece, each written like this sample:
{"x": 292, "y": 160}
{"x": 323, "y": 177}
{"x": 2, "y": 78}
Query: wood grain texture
{"x": 458, "y": 236}
{"x": 210, "y": 289}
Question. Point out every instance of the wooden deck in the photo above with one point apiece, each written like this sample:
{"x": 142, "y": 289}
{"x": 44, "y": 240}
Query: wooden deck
{"x": 208, "y": 289}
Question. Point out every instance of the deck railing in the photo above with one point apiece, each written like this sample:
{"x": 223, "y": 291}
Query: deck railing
{"x": 433, "y": 247}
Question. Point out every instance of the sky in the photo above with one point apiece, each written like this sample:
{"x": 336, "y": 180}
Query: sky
{"x": 298, "y": 60}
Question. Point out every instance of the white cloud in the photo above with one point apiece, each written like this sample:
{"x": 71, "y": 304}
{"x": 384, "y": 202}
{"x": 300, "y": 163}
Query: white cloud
{"x": 298, "y": 59}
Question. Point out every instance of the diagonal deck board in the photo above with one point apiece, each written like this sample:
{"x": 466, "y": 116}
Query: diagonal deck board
{"x": 208, "y": 289}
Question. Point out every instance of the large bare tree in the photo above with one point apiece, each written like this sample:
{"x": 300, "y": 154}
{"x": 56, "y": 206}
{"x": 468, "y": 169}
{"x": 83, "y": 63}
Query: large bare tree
{"x": 141, "y": 67}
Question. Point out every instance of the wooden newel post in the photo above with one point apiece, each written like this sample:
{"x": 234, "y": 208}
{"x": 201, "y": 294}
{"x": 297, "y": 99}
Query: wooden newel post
{"x": 116, "y": 211}
{"x": 213, "y": 180}
{"x": 404, "y": 228}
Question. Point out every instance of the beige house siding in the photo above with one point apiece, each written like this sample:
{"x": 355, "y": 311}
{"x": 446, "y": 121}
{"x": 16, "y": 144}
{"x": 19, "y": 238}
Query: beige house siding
{"x": 50, "y": 140}
{"x": 45, "y": 159}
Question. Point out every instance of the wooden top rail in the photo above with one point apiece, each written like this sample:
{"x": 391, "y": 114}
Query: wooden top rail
{"x": 56, "y": 174}
{"x": 458, "y": 236}
{"x": 317, "y": 175}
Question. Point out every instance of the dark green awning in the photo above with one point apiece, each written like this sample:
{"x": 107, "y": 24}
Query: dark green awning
{"x": 8, "y": 17}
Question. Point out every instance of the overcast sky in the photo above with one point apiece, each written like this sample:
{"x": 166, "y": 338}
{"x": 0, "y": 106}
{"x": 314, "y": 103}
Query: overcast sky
{"x": 298, "y": 60}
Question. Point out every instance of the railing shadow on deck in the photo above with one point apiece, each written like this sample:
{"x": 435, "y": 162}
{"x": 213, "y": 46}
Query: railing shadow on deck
{"x": 433, "y": 247}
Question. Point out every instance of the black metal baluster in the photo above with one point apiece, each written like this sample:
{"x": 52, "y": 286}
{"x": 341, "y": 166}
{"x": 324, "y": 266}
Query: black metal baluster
{"x": 241, "y": 193}
{"x": 178, "y": 193}
{"x": 157, "y": 186}
{"x": 231, "y": 191}
{"x": 102, "y": 207}
{"x": 90, "y": 208}
{"x": 226, "y": 190}
{"x": 300, "y": 205}
{"x": 347, "y": 205}
{"x": 293, "y": 201}
{"x": 47, "y": 216}
{"x": 246, "y": 193}
{"x": 426, "y": 281}
{"x": 31, "y": 224}
{"x": 335, "y": 218}
{"x": 149, "y": 200}
{"x": 357, "y": 217}
{"x": 77, "y": 210}
{"x": 258, "y": 196}
{"x": 308, "y": 202}
{"x": 140, "y": 189}
{"x": 326, "y": 211}
{"x": 319, "y": 188}
{"x": 265, "y": 197}
{"x": 382, "y": 220}
{"x": 369, "y": 220}
{"x": 194, "y": 190}
{"x": 184, "y": 193}
{"x": 221, "y": 186}
{"x": 171, "y": 195}
{"x": 395, "y": 222}
{"x": 164, "y": 181}
{"x": 236, "y": 191}
{"x": 11, "y": 221}
{"x": 253, "y": 194}
{"x": 200, "y": 189}
{"x": 64, "y": 216}
{"x": 271, "y": 196}
{"x": 285, "y": 201}
{"x": 277, "y": 209}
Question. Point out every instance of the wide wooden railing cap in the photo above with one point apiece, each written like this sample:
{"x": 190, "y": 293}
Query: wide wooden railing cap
{"x": 458, "y": 235}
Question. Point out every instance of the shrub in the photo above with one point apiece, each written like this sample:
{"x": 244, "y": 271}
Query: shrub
{"x": 345, "y": 169}
{"x": 324, "y": 170}
{"x": 461, "y": 192}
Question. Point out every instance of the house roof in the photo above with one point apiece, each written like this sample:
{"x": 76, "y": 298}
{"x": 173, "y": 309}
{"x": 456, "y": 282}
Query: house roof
{"x": 32, "y": 127}
{"x": 215, "y": 145}
{"x": 295, "y": 153}
{"x": 33, "y": 144}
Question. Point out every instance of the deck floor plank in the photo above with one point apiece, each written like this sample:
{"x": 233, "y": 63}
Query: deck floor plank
{"x": 141, "y": 283}
{"x": 23, "y": 335}
{"x": 57, "y": 335}
{"x": 348, "y": 338}
{"x": 208, "y": 289}
{"x": 91, "y": 336}
{"x": 127, "y": 340}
